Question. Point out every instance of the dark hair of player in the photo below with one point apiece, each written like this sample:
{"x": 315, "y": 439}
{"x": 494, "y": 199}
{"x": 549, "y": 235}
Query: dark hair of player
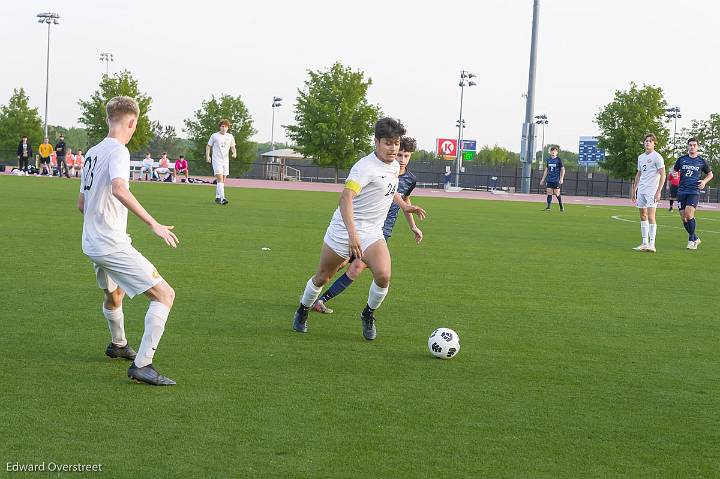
{"x": 407, "y": 144}
{"x": 691, "y": 139}
{"x": 554, "y": 148}
{"x": 651, "y": 136}
{"x": 389, "y": 128}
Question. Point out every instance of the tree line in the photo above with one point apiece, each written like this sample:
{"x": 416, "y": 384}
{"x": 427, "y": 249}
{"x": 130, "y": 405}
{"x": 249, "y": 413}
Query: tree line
{"x": 334, "y": 125}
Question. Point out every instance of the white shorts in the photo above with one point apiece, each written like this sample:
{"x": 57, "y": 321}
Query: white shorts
{"x": 645, "y": 200}
{"x": 146, "y": 169}
{"x": 221, "y": 167}
{"x": 336, "y": 237}
{"x": 126, "y": 268}
{"x": 162, "y": 171}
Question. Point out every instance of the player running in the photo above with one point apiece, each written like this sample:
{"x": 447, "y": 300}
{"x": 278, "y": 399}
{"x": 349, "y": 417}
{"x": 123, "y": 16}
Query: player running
{"x": 356, "y": 227}
{"x": 120, "y": 269}
{"x": 406, "y": 184}
{"x": 555, "y": 174}
{"x": 690, "y": 168}
{"x": 221, "y": 142}
{"x": 646, "y": 189}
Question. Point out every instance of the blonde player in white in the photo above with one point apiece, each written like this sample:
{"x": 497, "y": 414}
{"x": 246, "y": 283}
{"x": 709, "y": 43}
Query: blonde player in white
{"x": 356, "y": 227}
{"x": 220, "y": 143}
{"x": 646, "y": 190}
{"x": 120, "y": 269}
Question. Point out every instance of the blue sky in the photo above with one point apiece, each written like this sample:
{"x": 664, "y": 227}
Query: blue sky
{"x": 182, "y": 52}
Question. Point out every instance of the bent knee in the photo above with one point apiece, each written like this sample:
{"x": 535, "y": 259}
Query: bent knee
{"x": 382, "y": 279}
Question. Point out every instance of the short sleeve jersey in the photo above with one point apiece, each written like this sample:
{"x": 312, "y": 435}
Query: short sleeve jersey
{"x": 220, "y": 145}
{"x": 406, "y": 185}
{"x": 181, "y": 165}
{"x": 649, "y": 166}
{"x": 105, "y": 218}
{"x": 45, "y": 150}
{"x": 554, "y": 167}
{"x": 147, "y": 162}
{"x": 375, "y": 183}
{"x": 690, "y": 171}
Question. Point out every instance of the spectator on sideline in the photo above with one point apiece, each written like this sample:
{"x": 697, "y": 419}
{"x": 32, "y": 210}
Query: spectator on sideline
{"x": 673, "y": 182}
{"x": 61, "y": 151}
{"x": 24, "y": 153}
{"x": 45, "y": 150}
{"x": 181, "y": 166}
{"x": 164, "y": 168}
{"x": 78, "y": 163}
{"x": 146, "y": 171}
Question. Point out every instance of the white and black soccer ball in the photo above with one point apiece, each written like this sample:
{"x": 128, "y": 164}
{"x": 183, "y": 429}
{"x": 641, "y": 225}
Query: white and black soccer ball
{"x": 444, "y": 343}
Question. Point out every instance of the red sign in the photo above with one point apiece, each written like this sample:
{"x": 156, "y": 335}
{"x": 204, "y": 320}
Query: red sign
{"x": 447, "y": 148}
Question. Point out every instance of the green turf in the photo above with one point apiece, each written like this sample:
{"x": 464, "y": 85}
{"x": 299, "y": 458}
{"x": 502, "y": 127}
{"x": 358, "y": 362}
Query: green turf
{"x": 580, "y": 357}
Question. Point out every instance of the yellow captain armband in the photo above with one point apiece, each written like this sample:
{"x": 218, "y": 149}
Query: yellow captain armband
{"x": 353, "y": 185}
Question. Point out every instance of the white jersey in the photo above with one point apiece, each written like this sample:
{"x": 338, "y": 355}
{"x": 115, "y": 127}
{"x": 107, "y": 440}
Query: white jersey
{"x": 105, "y": 218}
{"x": 220, "y": 145}
{"x": 375, "y": 183}
{"x": 649, "y": 166}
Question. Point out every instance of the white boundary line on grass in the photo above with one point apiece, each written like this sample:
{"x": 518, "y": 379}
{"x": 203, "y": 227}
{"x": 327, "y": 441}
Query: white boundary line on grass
{"x": 620, "y": 218}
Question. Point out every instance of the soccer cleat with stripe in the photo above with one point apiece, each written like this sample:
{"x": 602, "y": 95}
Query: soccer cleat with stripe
{"x": 320, "y": 307}
{"x": 148, "y": 375}
{"x": 368, "y": 326}
{"x": 125, "y": 352}
{"x": 300, "y": 320}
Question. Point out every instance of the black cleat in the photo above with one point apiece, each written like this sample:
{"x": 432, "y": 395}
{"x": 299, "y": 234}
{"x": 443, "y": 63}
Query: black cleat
{"x": 217, "y": 200}
{"x": 224, "y": 201}
{"x": 368, "y": 326}
{"x": 547, "y": 209}
{"x": 300, "y": 320}
{"x": 114, "y": 351}
{"x": 148, "y": 375}
{"x": 562, "y": 209}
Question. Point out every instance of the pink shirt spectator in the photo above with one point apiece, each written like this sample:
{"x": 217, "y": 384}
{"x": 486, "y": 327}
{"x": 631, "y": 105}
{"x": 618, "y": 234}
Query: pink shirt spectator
{"x": 181, "y": 165}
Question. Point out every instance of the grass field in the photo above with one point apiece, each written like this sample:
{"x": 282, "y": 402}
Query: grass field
{"x": 580, "y": 357}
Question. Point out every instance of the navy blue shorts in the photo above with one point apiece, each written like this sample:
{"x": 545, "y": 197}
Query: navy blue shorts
{"x": 553, "y": 185}
{"x": 688, "y": 199}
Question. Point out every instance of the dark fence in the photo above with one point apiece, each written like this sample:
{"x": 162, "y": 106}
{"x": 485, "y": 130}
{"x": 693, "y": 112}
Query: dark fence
{"x": 431, "y": 174}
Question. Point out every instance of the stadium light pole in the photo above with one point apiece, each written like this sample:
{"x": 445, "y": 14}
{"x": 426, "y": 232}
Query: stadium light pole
{"x": 107, "y": 58}
{"x": 275, "y": 104}
{"x": 542, "y": 120}
{"x": 465, "y": 80}
{"x": 673, "y": 114}
{"x": 50, "y": 19}
{"x": 527, "y": 147}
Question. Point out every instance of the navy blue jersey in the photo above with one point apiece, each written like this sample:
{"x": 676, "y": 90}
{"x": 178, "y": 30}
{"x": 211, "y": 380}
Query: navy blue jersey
{"x": 406, "y": 184}
{"x": 690, "y": 169}
{"x": 553, "y": 165}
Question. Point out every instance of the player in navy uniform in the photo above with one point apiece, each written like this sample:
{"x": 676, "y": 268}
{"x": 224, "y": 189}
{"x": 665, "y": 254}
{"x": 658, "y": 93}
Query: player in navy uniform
{"x": 691, "y": 166}
{"x": 406, "y": 184}
{"x": 555, "y": 174}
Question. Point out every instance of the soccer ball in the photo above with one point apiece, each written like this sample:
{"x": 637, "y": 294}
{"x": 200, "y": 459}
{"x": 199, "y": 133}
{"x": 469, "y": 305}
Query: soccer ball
{"x": 444, "y": 343}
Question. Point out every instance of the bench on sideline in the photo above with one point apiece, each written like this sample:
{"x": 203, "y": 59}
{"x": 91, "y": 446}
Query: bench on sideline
{"x": 136, "y": 166}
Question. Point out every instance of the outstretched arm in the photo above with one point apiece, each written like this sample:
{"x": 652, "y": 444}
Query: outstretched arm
{"x": 408, "y": 208}
{"x": 411, "y": 222}
{"x": 123, "y": 194}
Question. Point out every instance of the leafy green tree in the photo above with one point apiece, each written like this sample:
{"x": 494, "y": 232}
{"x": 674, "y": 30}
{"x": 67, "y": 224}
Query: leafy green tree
{"x": 165, "y": 139}
{"x": 623, "y": 123}
{"x": 17, "y": 118}
{"x": 497, "y": 155}
{"x": 334, "y": 121}
{"x": 93, "y": 110}
{"x": 75, "y": 138}
{"x": 205, "y": 123}
{"x": 708, "y": 134}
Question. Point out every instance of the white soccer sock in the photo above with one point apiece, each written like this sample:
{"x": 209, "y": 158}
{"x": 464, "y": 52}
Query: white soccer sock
{"x": 155, "y": 319}
{"x": 311, "y": 293}
{"x": 653, "y": 231}
{"x": 644, "y": 229}
{"x": 116, "y": 323}
{"x": 376, "y": 295}
{"x": 222, "y": 190}
{"x": 217, "y": 190}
